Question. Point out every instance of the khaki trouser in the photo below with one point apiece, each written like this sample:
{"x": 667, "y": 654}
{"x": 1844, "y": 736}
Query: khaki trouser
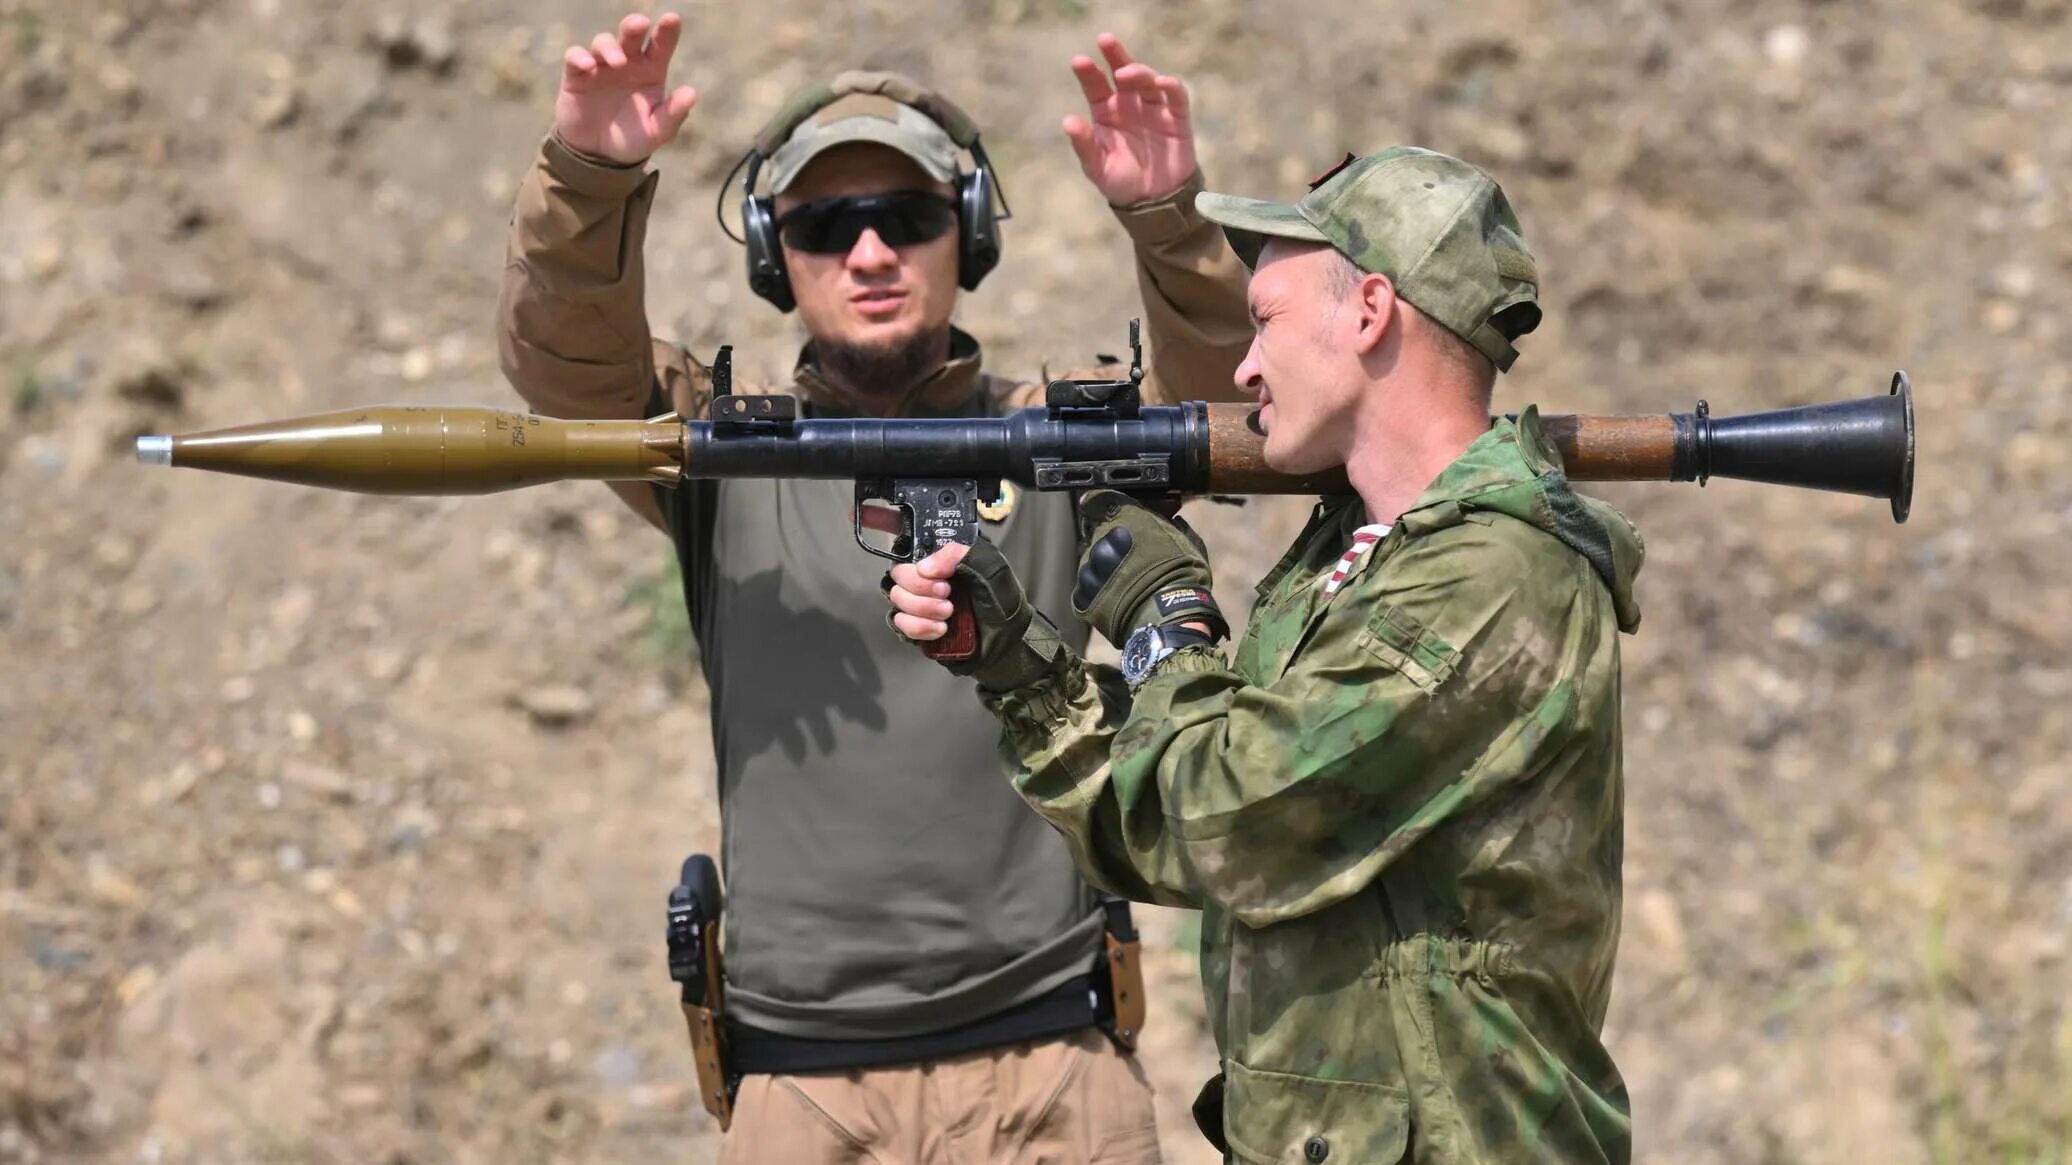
{"x": 1071, "y": 1100}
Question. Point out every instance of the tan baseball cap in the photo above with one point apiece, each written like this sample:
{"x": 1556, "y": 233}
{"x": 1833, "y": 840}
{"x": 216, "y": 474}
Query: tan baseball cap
{"x": 864, "y": 117}
{"x": 1440, "y": 229}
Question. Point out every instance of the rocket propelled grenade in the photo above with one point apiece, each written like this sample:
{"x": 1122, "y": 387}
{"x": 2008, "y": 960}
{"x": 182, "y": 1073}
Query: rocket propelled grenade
{"x": 1863, "y": 446}
{"x": 1090, "y": 434}
{"x": 941, "y": 473}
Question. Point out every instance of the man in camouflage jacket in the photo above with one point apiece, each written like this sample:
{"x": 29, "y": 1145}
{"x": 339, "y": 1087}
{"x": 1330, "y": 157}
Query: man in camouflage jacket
{"x": 1400, "y": 807}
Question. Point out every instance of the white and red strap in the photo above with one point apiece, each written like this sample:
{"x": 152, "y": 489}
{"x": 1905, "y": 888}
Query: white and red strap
{"x": 1364, "y": 539}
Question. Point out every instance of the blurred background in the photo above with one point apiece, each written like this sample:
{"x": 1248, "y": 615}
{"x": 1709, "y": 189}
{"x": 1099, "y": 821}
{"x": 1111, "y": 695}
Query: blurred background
{"x": 338, "y": 829}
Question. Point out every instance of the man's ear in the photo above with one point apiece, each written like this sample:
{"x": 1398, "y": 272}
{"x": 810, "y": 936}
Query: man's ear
{"x": 1375, "y": 300}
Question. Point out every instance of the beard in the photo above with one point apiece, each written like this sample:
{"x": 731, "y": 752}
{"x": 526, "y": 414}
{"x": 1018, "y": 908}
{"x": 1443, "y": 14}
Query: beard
{"x": 883, "y": 369}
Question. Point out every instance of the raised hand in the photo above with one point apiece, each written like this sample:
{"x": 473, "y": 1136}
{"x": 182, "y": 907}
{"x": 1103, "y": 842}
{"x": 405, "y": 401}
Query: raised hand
{"x": 613, "y": 102}
{"x": 1139, "y": 144}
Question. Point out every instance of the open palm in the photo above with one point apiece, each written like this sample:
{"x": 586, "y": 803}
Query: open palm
{"x": 1136, "y": 143}
{"x": 614, "y": 101}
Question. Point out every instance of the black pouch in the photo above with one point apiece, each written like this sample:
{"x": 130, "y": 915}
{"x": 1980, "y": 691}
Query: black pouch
{"x": 1208, "y": 1113}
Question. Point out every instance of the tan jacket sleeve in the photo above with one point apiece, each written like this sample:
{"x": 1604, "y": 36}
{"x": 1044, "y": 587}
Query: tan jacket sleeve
{"x": 1196, "y": 322}
{"x": 572, "y": 330}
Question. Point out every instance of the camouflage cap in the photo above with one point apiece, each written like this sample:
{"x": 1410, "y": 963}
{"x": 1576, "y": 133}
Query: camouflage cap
{"x": 1440, "y": 229}
{"x": 865, "y": 117}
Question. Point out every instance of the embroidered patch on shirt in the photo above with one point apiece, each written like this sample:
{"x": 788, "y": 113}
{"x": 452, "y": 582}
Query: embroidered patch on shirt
{"x": 1364, "y": 539}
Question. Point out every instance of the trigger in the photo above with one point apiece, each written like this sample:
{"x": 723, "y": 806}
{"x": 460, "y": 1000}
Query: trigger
{"x": 880, "y": 519}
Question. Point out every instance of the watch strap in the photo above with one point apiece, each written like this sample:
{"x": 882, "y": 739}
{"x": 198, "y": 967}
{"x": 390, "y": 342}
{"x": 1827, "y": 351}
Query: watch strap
{"x": 1167, "y": 641}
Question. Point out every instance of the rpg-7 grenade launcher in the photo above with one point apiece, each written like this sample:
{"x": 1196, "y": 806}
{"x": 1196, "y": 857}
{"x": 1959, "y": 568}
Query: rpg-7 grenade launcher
{"x": 936, "y": 471}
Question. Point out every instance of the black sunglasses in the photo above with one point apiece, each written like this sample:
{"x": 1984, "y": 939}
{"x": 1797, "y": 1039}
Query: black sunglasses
{"x": 831, "y": 226}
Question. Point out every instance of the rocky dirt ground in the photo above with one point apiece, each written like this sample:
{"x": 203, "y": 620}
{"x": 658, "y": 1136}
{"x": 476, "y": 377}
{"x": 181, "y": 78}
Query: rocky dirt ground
{"x": 336, "y": 828}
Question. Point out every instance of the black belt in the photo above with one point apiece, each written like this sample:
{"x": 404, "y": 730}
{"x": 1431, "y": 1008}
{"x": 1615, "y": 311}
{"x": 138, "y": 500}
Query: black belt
{"x": 1067, "y": 1008}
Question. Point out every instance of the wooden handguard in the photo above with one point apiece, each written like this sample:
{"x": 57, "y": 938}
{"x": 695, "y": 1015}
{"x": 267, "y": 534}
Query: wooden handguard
{"x": 1639, "y": 448}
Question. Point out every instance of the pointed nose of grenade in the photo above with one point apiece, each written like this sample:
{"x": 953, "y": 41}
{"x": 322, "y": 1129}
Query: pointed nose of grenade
{"x": 419, "y": 450}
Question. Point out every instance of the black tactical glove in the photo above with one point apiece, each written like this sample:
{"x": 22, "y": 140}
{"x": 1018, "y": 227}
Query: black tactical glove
{"x": 1016, "y": 643}
{"x": 1141, "y": 568}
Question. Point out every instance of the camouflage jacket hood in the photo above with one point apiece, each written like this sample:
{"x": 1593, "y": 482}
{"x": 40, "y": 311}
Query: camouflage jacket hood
{"x": 1514, "y": 470}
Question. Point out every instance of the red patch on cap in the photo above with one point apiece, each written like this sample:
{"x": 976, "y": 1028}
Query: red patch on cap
{"x": 1327, "y": 175}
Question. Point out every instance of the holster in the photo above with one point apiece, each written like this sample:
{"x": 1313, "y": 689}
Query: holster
{"x": 1119, "y": 994}
{"x": 694, "y": 962}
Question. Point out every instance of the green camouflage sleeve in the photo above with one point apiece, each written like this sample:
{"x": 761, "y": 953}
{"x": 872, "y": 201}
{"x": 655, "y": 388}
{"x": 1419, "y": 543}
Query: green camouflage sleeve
{"x": 1279, "y": 798}
{"x": 1055, "y": 737}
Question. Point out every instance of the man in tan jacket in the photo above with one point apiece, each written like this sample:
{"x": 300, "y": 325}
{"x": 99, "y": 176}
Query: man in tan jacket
{"x": 913, "y": 969}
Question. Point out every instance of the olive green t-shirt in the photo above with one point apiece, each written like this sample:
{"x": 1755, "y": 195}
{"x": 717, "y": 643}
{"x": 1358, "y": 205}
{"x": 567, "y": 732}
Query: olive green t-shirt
{"x": 882, "y": 877}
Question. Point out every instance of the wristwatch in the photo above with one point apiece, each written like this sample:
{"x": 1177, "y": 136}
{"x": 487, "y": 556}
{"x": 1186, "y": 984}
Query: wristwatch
{"x": 1150, "y": 644}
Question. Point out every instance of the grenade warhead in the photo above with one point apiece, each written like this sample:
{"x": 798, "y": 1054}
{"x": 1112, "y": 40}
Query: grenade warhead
{"x": 426, "y": 449}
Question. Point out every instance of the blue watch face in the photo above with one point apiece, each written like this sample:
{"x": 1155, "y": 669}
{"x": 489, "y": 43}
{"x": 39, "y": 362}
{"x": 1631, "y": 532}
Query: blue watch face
{"x": 1138, "y": 654}
{"x": 1143, "y": 648}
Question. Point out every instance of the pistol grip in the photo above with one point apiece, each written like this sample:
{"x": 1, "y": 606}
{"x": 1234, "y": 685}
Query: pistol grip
{"x": 961, "y": 641}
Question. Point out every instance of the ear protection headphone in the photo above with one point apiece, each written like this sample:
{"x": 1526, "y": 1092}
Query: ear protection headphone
{"x": 978, "y": 225}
